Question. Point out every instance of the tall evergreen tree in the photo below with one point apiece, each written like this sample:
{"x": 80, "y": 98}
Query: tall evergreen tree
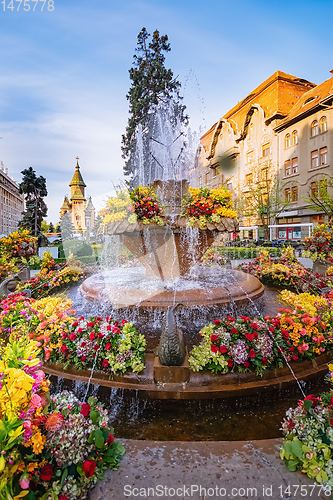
{"x": 152, "y": 84}
{"x": 51, "y": 228}
{"x": 66, "y": 226}
{"x": 34, "y": 189}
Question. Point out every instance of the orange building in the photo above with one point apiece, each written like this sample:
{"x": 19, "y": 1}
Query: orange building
{"x": 253, "y": 133}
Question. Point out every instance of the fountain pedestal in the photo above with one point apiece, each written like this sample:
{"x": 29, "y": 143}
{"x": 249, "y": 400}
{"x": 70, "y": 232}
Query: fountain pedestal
{"x": 171, "y": 374}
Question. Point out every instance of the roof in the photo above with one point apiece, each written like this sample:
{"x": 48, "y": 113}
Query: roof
{"x": 77, "y": 195}
{"x": 77, "y": 177}
{"x": 309, "y": 103}
{"x": 276, "y": 96}
{"x": 90, "y": 205}
{"x": 65, "y": 204}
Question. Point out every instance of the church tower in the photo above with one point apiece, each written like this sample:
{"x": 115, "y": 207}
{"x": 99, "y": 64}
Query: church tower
{"x": 78, "y": 200}
{"x": 81, "y": 212}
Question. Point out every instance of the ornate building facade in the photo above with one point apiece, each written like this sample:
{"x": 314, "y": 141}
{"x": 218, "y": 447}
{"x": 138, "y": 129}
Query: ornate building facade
{"x": 81, "y": 211}
{"x": 284, "y": 124}
{"x": 11, "y": 203}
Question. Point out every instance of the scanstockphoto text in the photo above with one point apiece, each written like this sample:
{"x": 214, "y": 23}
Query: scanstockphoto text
{"x": 198, "y": 491}
{"x": 27, "y": 5}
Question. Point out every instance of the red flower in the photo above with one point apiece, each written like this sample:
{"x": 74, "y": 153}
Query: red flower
{"x": 92, "y": 336}
{"x": 312, "y": 397}
{"x": 105, "y": 363}
{"x": 110, "y": 439}
{"x": 108, "y": 346}
{"x": 249, "y": 336}
{"x": 247, "y": 364}
{"x": 285, "y": 334}
{"x": 64, "y": 348}
{"x": 217, "y": 322}
{"x": 252, "y": 354}
{"x": 75, "y": 323}
{"x": 230, "y": 362}
{"x": 85, "y": 410}
{"x": 46, "y": 472}
{"x": 90, "y": 324}
{"x": 63, "y": 497}
{"x": 89, "y": 467}
{"x": 233, "y": 330}
{"x": 213, "y": 338}
{"x": 83, "y": 358}
{"x": 294, "y": 357}
{"x": 214, "y": 348}
{"x": 264, "y": 361}
{"x": 223, "y": 349}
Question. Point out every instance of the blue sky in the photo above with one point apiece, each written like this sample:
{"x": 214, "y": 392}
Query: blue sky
{"x": 64, "y": 74}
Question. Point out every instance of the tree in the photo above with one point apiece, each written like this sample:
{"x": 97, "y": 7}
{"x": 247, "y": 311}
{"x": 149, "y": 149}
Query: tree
{"x": 66, "y": 226}
{"x": 44, "y": 226}
{"x": 319, "y": 198}
{"x": 51, "y": 228}
{"x": 261, "y": 201}
{"x": 34, "y": 189}
{"x": 58, "y": 228}
{"x": 152, "y": 84}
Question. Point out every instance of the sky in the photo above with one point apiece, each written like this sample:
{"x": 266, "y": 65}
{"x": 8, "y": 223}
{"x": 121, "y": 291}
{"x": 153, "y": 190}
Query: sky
{"x": 64, "y": 73}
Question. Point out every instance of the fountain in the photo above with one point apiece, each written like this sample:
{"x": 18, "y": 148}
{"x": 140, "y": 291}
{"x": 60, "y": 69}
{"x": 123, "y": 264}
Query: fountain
{"x": 170, "y": 275}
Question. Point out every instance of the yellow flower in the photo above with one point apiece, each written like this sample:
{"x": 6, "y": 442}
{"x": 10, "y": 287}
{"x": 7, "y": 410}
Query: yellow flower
{"x": 38, "y": 442}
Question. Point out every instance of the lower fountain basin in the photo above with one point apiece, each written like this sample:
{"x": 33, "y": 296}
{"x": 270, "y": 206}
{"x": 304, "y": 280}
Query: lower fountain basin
{"x": 201, "y": 385}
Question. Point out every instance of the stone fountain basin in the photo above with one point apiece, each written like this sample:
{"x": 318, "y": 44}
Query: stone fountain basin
{"x": 201, "y": 385}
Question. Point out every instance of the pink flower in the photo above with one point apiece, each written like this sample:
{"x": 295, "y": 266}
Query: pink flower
{"x": 35, "y": 401}
{"x": 24, "y": 482}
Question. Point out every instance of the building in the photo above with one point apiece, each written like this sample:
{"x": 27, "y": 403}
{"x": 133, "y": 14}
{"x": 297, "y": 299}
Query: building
{"x": 283, "y": 123}
{"x": 11, "y": 203}
{"x": 81, "y": 211}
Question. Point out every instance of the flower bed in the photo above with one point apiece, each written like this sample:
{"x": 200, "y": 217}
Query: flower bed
{"x": 146, "y": 206}
{"x": 308, "y": 438}
{"x": 51, "y": 447}
{"x": 103, "y": 343}
{"x": 140, "y": 203}
{"x": 320, "y": 244}
{"x": 286, "y": 271}
{"x": 208, "y": 205}
{"x": 18, "y": 244}
{"x": 255, "y": 343}
{"x": 212, "y": 257}
{"x": 106, "y": 344}
{"x": 48, "y": 282}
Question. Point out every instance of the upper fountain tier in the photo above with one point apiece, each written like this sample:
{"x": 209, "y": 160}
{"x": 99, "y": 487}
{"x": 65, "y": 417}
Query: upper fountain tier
{"x": 170, "y": 250}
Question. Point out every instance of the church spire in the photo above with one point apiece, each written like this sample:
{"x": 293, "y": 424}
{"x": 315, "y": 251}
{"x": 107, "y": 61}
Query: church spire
{"x": 77, "y": 177}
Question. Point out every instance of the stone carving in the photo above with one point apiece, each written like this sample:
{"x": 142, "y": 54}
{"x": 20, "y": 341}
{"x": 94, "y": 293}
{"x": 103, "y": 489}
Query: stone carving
{"x": 171, "y": 349}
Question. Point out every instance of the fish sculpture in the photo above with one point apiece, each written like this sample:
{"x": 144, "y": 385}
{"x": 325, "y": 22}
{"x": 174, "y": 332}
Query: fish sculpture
{"x": 171, "y": 349}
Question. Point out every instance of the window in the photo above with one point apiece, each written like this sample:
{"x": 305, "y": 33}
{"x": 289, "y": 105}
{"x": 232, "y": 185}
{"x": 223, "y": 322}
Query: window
{"x": 229, "y": 186}
{"x": 323, "y": 187}
{"x": 314, "y": 188}
{"x": 266, "y": 149}
{"x": 250, "y": 157}
{"x": 294, "y": 193}
{"x": 323, "y": 156}
{"x": 207, "y": 177}
{"x": 314, "y": 159}
{"x": 294, "y": 138}
{"x": 317, "y": 219}
{"x": 217, "y": 171}
{"x": 294, "y": 165}
{"x": 314, "y": 128}
{"x": 287, "y": 141}
{"x": 287, "y": 193}
{"x": 323, "y": 124}
{"x": 264, "y": 174}
{"x": 249, "y": 179}
{"x": 287, "y": 167}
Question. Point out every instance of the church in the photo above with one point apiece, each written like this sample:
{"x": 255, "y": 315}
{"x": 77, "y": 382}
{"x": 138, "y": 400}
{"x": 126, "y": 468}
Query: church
{"x": 80, "y": 210}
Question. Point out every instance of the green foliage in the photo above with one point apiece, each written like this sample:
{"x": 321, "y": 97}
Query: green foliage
{"x": 151, "y": 84}
{"x": 246, "y": 253}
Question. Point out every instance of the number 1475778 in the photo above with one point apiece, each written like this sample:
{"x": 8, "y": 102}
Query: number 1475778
{"x": 27, "y": 5}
